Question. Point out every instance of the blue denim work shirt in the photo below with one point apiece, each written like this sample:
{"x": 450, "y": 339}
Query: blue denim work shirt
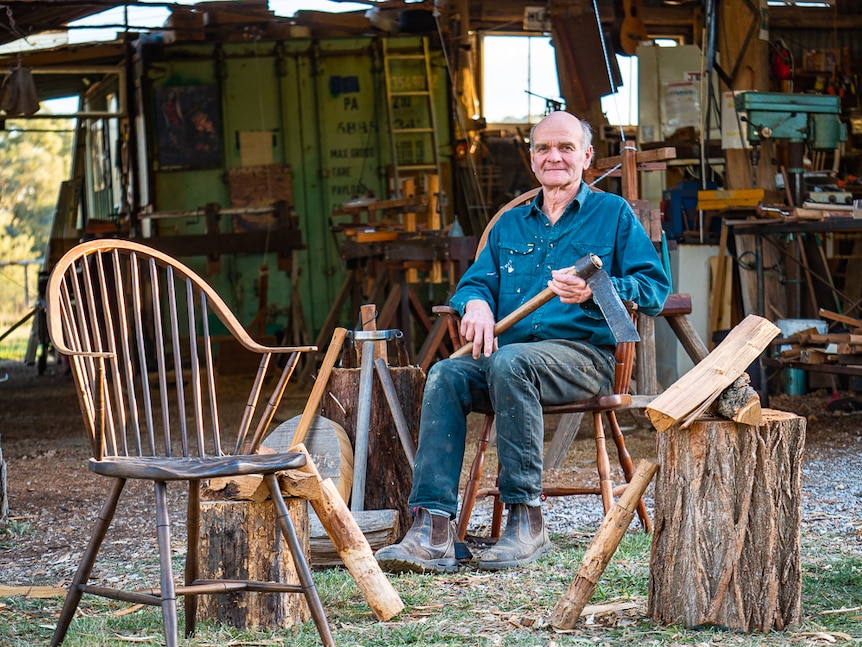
{"x": 523, "y": 247}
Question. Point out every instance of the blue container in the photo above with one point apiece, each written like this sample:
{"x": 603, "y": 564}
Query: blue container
{"x": 795, "y": 381}
{"x": 680, "y": 208}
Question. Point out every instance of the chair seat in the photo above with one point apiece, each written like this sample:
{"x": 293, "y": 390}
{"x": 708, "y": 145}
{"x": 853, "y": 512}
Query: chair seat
{"x": 610, "y": 402}
{"x": 159, "y": 468}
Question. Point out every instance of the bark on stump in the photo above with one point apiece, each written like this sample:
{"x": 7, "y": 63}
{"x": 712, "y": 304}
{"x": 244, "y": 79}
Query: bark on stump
{"x": 241, "y": 540}
{"x": 389, "y": 476}
{"x": 726, "y": 544}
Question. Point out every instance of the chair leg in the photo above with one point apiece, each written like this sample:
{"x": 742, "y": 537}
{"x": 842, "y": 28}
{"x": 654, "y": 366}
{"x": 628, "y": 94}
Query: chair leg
{"x": 302, "y": 569}
{"x": 472, "y": 488}
{"x": 628, "y": 466}
{"x": 193, "y": 552}
{"x": 603, "y": 464}
{"x": 168, "y": 589}
{"x": 88, "y": 559}
{"x": 497, "y": 512}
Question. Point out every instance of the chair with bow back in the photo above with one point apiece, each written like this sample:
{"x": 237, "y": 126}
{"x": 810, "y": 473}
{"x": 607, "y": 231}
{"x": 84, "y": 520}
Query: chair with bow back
{"x": 135, "y": 324}
{"x": 606, "y": 405}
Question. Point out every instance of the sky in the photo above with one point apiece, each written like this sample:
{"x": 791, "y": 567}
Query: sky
{"x": 519, "y": 64}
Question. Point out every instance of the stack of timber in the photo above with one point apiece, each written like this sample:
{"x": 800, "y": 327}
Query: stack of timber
{"x": 839, "y": 348}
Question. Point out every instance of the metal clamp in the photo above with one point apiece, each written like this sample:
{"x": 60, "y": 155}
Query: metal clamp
{"x": 373, "y": 335}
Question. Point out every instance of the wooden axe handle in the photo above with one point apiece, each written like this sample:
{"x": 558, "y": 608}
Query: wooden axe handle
{"x": 584, "y": 267}
{"x": 313, "y": 404}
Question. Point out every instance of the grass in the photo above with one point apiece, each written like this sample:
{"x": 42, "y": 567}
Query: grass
{"x": 477, "y": 609}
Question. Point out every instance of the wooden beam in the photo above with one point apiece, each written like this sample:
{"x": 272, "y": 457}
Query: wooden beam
{"x": 648, "y": 156}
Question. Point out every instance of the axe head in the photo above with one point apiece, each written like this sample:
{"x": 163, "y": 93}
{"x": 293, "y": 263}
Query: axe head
{"x": 614, "y": 311}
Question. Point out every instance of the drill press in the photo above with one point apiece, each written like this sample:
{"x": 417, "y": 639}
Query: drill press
{"x": 801, "y": 119}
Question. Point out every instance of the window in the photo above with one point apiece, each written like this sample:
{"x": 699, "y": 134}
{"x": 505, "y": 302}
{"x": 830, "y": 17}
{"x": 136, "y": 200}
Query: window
{"x": 519, "y": 74}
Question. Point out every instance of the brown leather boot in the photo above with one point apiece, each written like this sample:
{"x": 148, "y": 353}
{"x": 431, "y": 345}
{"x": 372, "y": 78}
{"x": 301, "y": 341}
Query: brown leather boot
{"x": 428, "y": 547}
{"x": 525, "y": 540}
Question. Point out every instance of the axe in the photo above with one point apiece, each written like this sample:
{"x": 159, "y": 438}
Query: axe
{"x": 590, "y": 269}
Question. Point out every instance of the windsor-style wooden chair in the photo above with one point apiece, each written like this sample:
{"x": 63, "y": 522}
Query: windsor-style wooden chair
{"x": 135, "y": 324}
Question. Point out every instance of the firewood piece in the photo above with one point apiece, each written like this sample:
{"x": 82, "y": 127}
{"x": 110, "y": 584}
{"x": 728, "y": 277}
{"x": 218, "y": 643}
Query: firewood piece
{"x": 565, "y": 615}
{"x": 740, "y": 402}
{"x": 726, "y": 543}
{"x": 236, "y": 488}
{"x": 389, "y": 475}
{"x": 347, "y": 537}
{"x": 705, "y": 382}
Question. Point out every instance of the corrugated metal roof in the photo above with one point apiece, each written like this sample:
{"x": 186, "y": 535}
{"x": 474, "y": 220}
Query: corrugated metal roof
{"x": 20, "y": 19}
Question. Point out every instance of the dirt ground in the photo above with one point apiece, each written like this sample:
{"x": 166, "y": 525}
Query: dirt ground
{"x": 53, "y": 497}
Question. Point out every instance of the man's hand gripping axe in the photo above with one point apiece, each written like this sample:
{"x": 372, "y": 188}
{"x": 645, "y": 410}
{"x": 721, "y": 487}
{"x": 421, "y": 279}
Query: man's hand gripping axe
{"x": 590, "y": 269}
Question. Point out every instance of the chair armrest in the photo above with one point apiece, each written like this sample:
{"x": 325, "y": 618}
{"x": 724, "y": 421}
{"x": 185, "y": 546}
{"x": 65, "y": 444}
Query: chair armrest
{"x": 452, "y": 324}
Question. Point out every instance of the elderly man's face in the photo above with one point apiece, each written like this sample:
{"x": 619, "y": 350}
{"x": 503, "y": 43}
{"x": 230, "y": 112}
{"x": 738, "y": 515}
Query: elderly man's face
{"x": 558, "y": 157}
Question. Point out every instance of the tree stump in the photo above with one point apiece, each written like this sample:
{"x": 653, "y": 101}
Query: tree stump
{"x": 726, "y": 548}
{"x": 241, "y": 540}
{"x": 389, "y": 475}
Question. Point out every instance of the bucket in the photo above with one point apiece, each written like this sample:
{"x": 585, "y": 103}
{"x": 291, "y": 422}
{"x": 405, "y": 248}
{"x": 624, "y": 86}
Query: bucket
{"x": 795, "y": 381}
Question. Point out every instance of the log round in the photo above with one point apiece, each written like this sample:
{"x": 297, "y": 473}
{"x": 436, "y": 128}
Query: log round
{"x": 241, "y": 540}
{"x": 389, "y": 475}
{"x": 726, "y": 548}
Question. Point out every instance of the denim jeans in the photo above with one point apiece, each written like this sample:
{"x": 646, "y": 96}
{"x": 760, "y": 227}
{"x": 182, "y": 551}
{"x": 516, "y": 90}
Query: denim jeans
{"x": 514, "y": 382}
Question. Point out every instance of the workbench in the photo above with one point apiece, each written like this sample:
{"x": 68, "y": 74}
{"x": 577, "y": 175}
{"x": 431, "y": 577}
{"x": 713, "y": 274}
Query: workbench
{"x": 815, "y": 279}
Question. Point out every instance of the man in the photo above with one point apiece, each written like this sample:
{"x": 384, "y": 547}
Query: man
{"x": 560, "y": 353}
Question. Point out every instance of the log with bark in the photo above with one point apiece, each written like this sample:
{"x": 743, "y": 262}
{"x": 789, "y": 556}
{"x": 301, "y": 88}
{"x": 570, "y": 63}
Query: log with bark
{"x": 241, "y": 540}
{"x": 726, "y": 544}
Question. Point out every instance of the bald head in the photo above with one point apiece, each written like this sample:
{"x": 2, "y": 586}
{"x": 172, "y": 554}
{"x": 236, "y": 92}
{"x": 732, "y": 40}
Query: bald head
{"x": 564, "y": 119}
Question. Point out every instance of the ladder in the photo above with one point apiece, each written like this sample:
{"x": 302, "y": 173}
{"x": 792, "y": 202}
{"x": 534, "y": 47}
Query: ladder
{"x": 411, "y": 115}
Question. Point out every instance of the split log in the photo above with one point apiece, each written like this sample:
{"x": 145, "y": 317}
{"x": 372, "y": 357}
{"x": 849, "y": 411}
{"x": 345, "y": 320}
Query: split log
{"x": 241, "y": 540}
{"x": 601, "y": 549}
{"x": 346, "y": 536}
{"x": 389, "y": 474}
{"x": 692, "y": 394}
{"x": 726, "y": 543}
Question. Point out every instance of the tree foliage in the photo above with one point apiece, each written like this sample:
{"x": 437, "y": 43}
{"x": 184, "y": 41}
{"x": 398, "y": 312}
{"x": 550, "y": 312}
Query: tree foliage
{"x": 33, "y": 164}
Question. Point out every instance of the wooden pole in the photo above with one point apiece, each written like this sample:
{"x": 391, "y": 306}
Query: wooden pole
{"x": 602, "y": 548}
{"x": 346, "y": 536}
{"x": 313, "y": 404}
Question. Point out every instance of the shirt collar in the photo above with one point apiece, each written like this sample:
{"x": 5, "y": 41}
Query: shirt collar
{"x": 574, "y": 206}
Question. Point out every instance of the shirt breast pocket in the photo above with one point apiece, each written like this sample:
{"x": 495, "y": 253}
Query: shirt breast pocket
{"x": 603, "y": 251}
{"x": 518, "y": 266}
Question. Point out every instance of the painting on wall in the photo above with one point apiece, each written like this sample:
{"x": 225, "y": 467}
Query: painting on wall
{"x": 189, "y": 127}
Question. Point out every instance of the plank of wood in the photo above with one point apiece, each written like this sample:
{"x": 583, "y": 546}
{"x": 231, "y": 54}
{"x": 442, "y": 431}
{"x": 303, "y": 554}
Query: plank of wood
{"x": 705, "y": 382}
{"x": 378, "y": 527}
{"x": 836, "y": 316}
{"x": 32, "y": 591}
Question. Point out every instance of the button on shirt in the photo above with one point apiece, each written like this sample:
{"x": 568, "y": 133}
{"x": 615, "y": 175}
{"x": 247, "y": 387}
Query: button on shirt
{"x": 523, "y": 248}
